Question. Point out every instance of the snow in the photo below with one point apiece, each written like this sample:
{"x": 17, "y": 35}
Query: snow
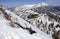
{"x": 57, "y": 29}
{"x": 41, "y": 4}
{"x": 48, "y": 24}
{"x": 44, "y": 4}
{"x": 24, "y": 7}
{"x": 42, "y": 17}
{"x": 7, "y": 32}
{"x": 27, "y": 6}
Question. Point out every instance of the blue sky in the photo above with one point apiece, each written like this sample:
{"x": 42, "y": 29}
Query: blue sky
{"x": 14, "y": 3}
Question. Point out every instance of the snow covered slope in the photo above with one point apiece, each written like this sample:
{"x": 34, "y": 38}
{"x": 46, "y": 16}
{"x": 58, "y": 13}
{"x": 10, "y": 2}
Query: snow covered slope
{"x": 43, "y": 16}
{"x": 27, "y": 7}
{"x": 41, "y": 4}
{"x": 24, "y": 7}
{"x": 14, "y": 27}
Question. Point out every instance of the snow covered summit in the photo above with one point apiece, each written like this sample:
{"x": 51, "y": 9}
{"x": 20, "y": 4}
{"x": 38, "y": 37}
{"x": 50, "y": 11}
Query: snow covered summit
{"x": 41, "y": 4}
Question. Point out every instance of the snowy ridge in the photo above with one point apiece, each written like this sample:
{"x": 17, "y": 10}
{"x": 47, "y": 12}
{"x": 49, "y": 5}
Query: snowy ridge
{"x": 8, "y": 32}
{"x": 25, "y": 7}
{"x": 44, "y": 18}
{"x": 35, "y": 19}
{"x": 41, "y": 4}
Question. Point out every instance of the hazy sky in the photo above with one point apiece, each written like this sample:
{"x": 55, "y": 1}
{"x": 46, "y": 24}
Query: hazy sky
{"x": 13, "y": 3}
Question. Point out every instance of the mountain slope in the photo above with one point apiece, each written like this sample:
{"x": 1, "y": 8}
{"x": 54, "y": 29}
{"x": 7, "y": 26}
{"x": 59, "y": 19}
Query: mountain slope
{"x": 14, "y": 27}
{"x": 43, "y": 16}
